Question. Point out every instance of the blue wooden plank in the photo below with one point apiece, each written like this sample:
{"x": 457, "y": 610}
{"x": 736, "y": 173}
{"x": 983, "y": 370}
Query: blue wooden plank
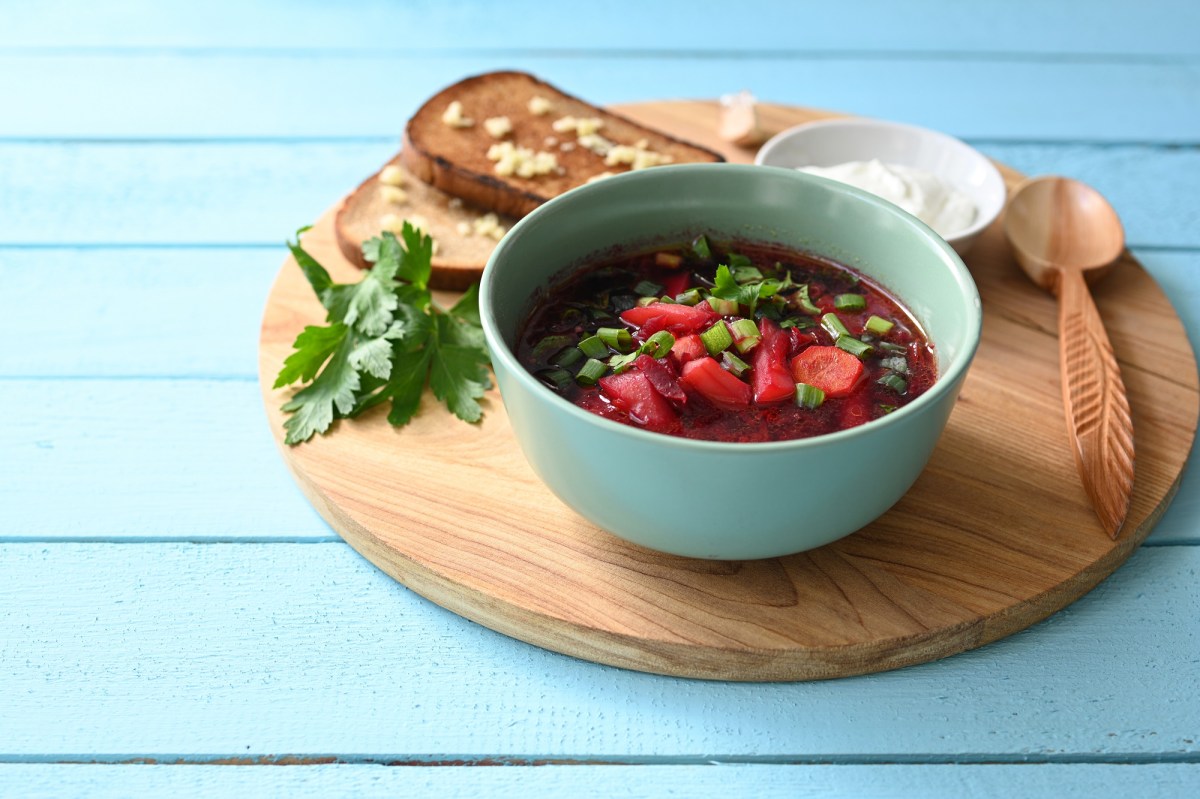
{"x": 158, "y": 312}
{"x": 244, "y": 193}
{"x": 1154, "y": 30}
{"x": 260, "y": 192}
{"x": 1162, "y": 781}
{"x": 211, "y": 652}
{"x": 255, "y": 193}
{"x": 154, "y": 94}
{"x": 145, "y": 459}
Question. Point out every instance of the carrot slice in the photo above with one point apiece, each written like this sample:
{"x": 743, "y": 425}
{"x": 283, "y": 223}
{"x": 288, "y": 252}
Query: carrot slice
{"x": 831, "y": 369}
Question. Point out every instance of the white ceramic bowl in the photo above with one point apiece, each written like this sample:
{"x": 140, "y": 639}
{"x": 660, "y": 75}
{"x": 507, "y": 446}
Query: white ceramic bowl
{"x": 836, "y": 141}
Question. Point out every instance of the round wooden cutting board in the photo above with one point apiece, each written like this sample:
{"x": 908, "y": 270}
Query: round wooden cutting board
{"x": 995, "y": 535}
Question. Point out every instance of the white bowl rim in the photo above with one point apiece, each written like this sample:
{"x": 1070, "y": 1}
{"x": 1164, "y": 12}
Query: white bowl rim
{"x": 953, "y": 375}
{"x": 986, "y": 213}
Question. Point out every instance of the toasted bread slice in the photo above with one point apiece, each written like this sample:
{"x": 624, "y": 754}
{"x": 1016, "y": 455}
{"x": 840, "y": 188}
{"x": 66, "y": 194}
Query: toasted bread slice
{"x": 463, "y": 238}
{"x": 442, "y": 149}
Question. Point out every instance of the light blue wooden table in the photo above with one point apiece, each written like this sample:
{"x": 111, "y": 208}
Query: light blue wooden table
{"x": 170, "y": 602}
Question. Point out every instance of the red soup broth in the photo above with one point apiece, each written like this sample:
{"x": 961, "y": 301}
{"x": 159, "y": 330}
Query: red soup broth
{"x": 736, "y": 342}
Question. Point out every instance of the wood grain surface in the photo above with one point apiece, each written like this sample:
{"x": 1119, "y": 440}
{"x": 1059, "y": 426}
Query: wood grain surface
{"x": 996, "y": 534}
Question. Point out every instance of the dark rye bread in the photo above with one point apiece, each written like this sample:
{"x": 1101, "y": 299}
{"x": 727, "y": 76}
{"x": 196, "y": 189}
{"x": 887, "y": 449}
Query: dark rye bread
{"x": 455, "y": 159}
{"x": 458, "y": 258}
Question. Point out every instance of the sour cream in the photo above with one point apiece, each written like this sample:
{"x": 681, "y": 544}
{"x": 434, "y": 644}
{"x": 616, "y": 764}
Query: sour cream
{"x": 921, "y": 193}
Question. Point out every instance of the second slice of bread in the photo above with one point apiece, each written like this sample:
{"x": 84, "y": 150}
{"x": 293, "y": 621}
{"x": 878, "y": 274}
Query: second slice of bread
{"x": 459, "y": 230}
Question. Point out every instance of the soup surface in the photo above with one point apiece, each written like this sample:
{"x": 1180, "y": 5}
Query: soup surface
{"x": 731, "y": 342}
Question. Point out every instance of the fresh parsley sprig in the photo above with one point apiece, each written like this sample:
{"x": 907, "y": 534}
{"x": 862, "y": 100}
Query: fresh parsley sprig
{"x": 725, "y": 287}
{"x": 385, "y": 339}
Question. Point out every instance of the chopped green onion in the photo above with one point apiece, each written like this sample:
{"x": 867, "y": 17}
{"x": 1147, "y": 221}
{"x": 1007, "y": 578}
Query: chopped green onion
{"x": 723, "y": 307}
{"x": 890, "y": 347}
{"x": 897, "y": 363}
{"x": 667, "y": 299}
{"x": 557, "y": 379}
{"x": 850, "y": 344}
{"x": 550, "y": 345}
{"x": 616, "y": 337}
{"x": 620, "y": 363}
{"x": 590, "y": 372}
{"x": 745, "y": 335}
{"x": 701, "y": 248}
{"x": 850, "y": 302}
{"x": 747, "y": 274}
{"x": 647, "y": 288}
{"x": 593, "y": 347}
{"x": 658, "y": 345}
{"x": 567, "y": 357}
{"x": 809, "y": 396}
{"x": 668, "y": 260}
{"x": 716, "y": 339}
{"x": 833, "y": 326}
{"x": 894, "y": 381}
{"x": 802, "y": 323}
{"x": 689, "y": 297}
{"x": 644, "y": 301}
{"x": 878, "y": 325}
{"x": 886, "y": 409}
{"x": 801, "y": 299}
{"x": 733, "y": 364}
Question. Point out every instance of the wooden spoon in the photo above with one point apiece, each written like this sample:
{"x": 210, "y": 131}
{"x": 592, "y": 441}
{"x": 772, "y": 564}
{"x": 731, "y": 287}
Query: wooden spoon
{"x": 1060, "y": 230}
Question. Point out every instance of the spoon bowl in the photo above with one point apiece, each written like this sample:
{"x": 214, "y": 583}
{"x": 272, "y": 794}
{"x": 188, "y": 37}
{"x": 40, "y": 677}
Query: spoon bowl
{"x": 1064, "y": 233}
{"x": 1056, "y": 223}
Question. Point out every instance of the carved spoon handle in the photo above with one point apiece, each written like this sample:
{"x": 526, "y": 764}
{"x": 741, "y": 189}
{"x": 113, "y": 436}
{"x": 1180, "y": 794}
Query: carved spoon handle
{"x": 1098, "y": 420}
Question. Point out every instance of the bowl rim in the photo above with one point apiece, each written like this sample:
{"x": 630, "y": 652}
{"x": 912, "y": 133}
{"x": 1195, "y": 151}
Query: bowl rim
{"x": 500, "y": 350}
{"x": 982, "y": 220}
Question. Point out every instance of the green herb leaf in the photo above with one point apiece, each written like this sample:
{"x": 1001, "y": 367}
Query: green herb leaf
{"x": 467, "y": 307}
{"x": 312, "y": 408}
{"x": 458, "y": 370}
{"x": 318, "y": 278}
{"x": 403, "y": 385}
{"x": 726, "y": 287}
{"x": 313, "y": 347}
{"x": 386, "y": 340}
{"x": 417, "y": 266}
{"x": 409, "y": 373}
{"x": 373, "y": 356}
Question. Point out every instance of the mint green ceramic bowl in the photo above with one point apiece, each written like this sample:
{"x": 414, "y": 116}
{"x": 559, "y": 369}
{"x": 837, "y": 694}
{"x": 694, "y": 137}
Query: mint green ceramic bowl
{"x": 720, "y": 500}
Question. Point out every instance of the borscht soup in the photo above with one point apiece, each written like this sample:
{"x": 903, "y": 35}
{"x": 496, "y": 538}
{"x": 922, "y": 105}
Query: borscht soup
{"x": 730, "y": 341}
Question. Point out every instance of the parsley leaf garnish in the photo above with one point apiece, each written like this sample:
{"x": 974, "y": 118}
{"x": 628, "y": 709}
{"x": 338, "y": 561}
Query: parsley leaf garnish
{"x": 384, "y": 340}
{"x": 725, "y": 287}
